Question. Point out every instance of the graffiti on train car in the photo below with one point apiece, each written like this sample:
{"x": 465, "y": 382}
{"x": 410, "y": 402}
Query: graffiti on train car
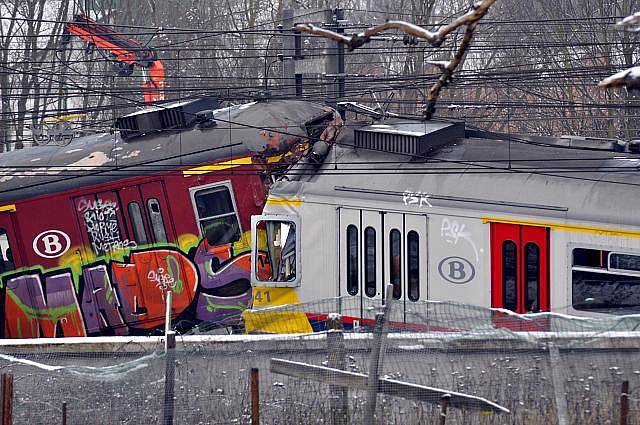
{"x": 125, "y": 296}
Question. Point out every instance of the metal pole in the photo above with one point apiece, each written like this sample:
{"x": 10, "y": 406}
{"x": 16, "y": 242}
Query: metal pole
{"x": 338, "y": 395}
{"x": 170, "y": 363}
{"x": 287, "y": 86}
{"x": 255, "y": 396}
{"x": 7, "y": 399}
{"x": 624, "y": 403}
{"x": 558, "y": 385}
{"x": 444, "y": 403}
{"x": 167, "y": 320}
{"x": 377, "y": 348}
{"x": 169, "y": 377}
{"x": 64, "y": 413}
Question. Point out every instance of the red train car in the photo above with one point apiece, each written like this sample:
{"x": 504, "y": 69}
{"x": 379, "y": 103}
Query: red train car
{"x": 93, "y": 234}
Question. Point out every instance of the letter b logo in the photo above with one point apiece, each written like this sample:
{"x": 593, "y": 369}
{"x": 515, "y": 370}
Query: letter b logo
{"x": 51, "y": 243}
{"x": 456, "y": 270}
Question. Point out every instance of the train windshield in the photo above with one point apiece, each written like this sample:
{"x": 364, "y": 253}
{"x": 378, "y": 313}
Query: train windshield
{"x": 281, "y": 251}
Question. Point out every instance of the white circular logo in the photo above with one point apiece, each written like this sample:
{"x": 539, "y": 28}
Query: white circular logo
{"x": 51, "y": 243}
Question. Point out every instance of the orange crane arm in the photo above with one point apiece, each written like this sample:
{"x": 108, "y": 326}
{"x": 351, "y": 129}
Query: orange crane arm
{"x": 125, "y": 50}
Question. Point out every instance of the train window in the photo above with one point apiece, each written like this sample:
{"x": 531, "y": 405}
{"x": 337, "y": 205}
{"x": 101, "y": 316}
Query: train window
{"x": 590, "y": 257}
{"x": 280, "y": 265}
{"x": 157, "y": 223}
{"x": 598, "y": 291}
{"x": 370, "y": 261}
{"x": 135, "y": 216}
{"x": 413, "y": 265}
{"x": 532, "y": 278}
{"x": 607, "y": 282}
{"x": 395, "y": 260}
{"x": 216, "y": 215}
{"x": 509, "y": 275}
{"x": 624, "y": 262}
{"x": 352, "y": 260}
{"x": 6, "y": 256}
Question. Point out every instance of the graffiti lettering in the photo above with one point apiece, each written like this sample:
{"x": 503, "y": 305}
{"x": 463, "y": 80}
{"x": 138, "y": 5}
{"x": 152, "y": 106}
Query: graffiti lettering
{"x": 416, "y": 198}
{"x": 452, "y": 231}
{"x": 101, "y": 222}
{"x": 124, "y": 297}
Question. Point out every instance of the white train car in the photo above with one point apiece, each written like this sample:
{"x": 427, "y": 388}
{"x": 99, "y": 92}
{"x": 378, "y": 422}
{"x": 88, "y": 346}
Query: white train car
{"x": 527, "y": 225}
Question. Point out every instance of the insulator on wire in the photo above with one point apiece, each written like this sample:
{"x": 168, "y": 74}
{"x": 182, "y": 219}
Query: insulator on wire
{"x": 409, "y": 40}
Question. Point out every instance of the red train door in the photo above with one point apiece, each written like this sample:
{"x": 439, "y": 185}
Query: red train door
{"x": 520, "y": 268}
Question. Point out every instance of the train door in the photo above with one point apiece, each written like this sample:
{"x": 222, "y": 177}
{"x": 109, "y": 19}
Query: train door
{"x": 147, "y": 214}
{"x": 158, "y": 212}
{"x": 377, "y": 248}
{"x": 406, "y": 260}
{"x": 520, "y": 268}
{"x": 10, "y": 258}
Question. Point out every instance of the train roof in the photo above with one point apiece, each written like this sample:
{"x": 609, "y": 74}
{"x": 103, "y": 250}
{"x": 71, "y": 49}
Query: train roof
{"x": 480, "y": 173}
{"x": 102, "y": 158}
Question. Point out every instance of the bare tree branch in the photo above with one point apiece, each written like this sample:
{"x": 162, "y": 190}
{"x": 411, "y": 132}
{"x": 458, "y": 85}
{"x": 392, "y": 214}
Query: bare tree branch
{"x": 469, "y": 19}
{"x": 436, "y": 38}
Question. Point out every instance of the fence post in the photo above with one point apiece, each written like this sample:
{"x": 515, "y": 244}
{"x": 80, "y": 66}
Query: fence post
{"x": 64, "y": 413}
{"x": 169, "y": 368}
{"x": 255, "y": 396}
{"x": 624, "y": 403}
{"x": 558, "y": 385}
{"x": 444, "y": 404}
{"x": 7, "y": 399}
{"x": 338, "y": 396}
{"x": 377, "y": 349}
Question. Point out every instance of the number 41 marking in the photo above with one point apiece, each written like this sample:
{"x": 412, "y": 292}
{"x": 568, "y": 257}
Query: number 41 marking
{"x": 259, "y": 294}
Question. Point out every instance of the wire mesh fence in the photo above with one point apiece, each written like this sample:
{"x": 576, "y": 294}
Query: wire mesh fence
{"x": 537, "y": 369}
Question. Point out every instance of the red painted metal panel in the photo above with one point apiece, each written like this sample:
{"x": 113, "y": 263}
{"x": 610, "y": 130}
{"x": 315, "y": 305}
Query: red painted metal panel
{"x": 540, "y": 237}
{"x": 128, "y": 195}
{"x": 499, "y": 234}
{"x": 522, "y": 236}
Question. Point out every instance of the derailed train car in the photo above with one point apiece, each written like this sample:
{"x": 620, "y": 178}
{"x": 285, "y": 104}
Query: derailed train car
{"x": 443, "y": 213}
{"x": 93, "y": 234}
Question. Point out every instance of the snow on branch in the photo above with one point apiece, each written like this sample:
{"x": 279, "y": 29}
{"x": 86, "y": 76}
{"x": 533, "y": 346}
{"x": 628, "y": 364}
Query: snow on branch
{"x": 468, "y": 20}
{"x": 630, "y": 23}
{"x": 629, "y": 78}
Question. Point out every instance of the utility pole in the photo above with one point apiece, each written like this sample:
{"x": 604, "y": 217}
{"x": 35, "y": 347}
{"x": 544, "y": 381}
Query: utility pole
{"x": 334, "y": 65}
{"x": 330, "y": 67}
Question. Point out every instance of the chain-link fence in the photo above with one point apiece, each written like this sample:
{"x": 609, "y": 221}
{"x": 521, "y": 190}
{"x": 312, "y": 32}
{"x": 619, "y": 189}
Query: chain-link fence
{"x": 485, "y": 366}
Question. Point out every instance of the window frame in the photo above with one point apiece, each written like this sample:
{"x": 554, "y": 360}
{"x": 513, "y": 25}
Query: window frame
{"x": 192, "y": 194}
{"x": 4, "y": 232}
{"x": 352, "y": 289}
{"x": 151, "y": 222}
{"x": 136, "y": 228}
{"x": 370, "y": 262}
{"x": 255, "y": 219}
{"x": 409, "y": 258}
{"x": 602, "y": 270}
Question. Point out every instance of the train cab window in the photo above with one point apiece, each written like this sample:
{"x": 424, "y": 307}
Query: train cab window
{"x": 605, "y": 281}
{"x": 413, "y": 265}
{"x": 280, "y": 265}
{"x": 135, "y": 216}
{"x": 509, "y": 275}
{"x": 6, "y": 256}
{"x": 370, "y": 261}
{"x": 352, "y": 260}
{"x": 157, "y": 223}
{"x": 395, "y": 263}
{"x": 217, "y": 216}
{"x": 532, "y": 278}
